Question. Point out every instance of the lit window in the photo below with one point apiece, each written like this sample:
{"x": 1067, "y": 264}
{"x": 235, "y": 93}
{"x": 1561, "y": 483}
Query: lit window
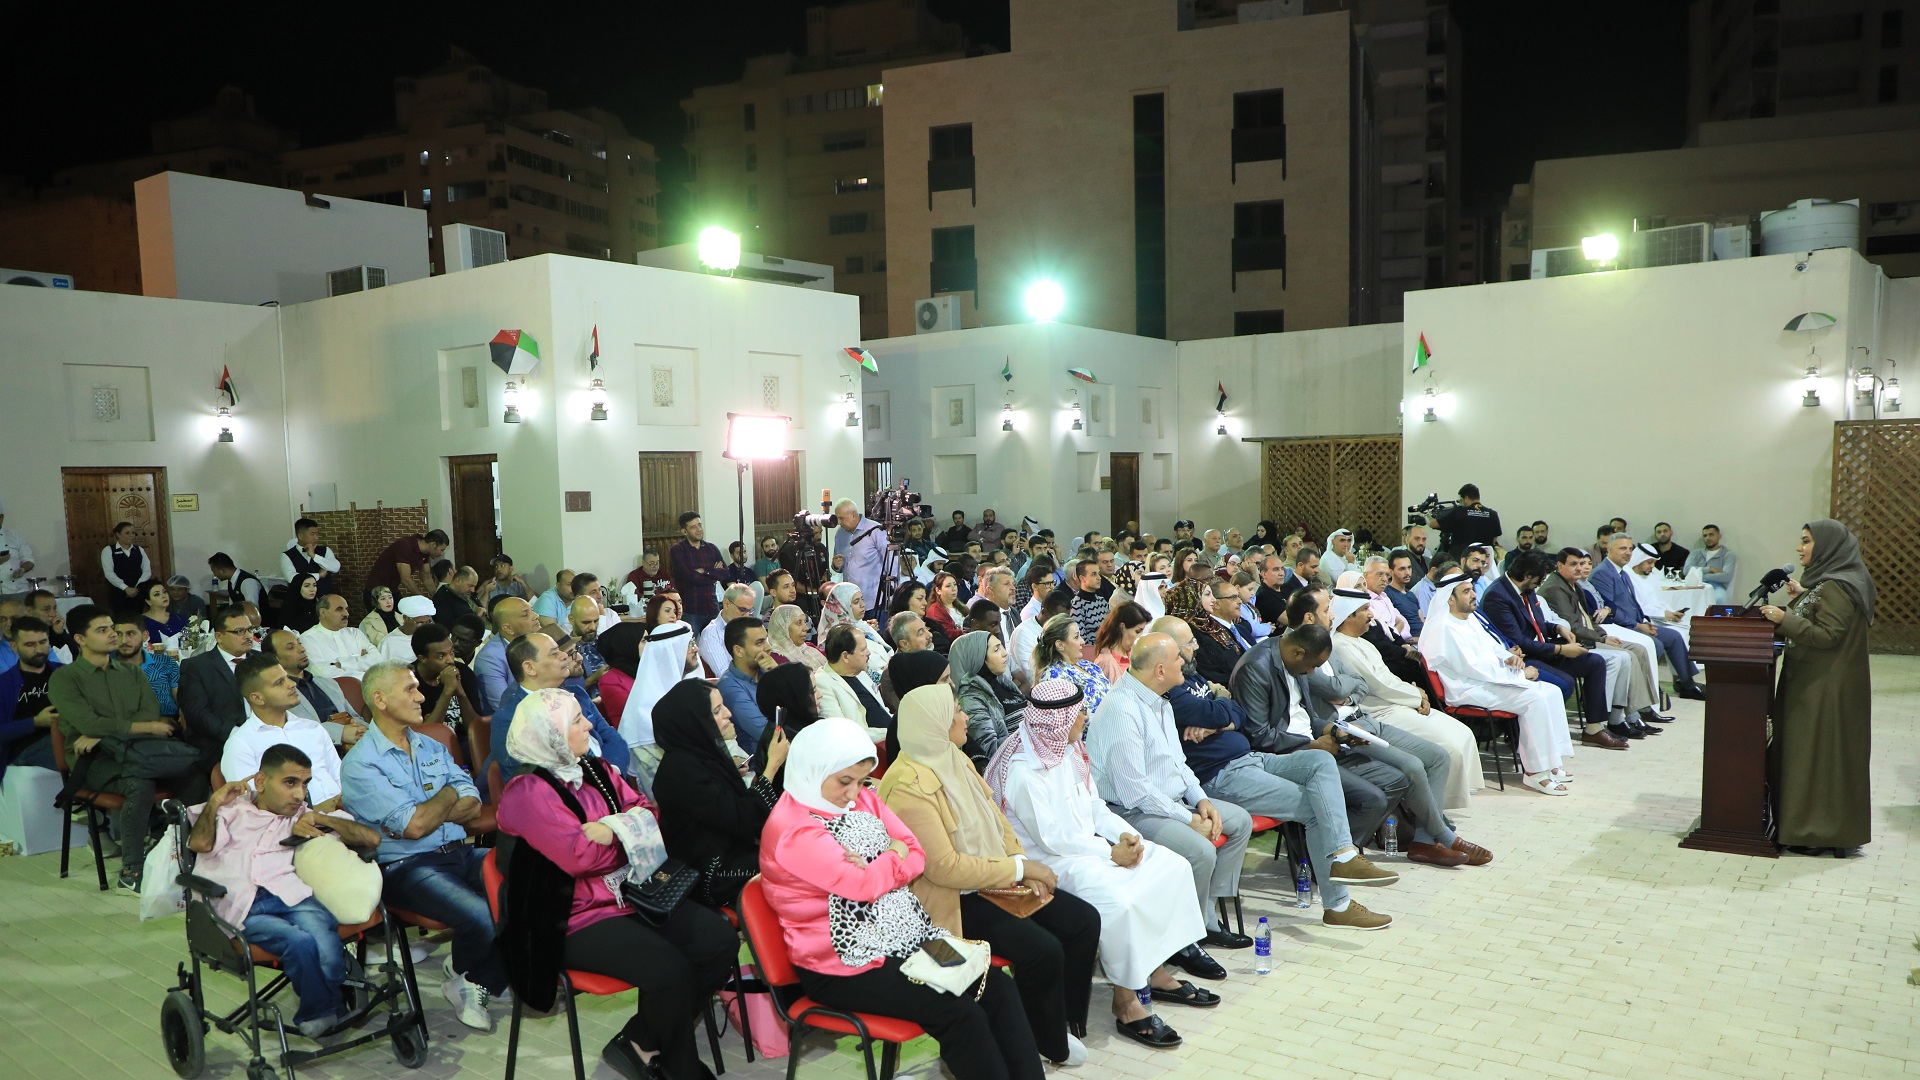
{"x": 874, "y": 93}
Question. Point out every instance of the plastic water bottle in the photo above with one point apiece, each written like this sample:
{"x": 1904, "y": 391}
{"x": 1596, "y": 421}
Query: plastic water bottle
{"x": 1302, "y": 885}
{"x": 1392, "y": 827}
{"x": 1263, "y": 949}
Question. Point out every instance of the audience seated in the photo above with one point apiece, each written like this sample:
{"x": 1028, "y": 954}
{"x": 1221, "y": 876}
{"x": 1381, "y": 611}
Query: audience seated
{"x": 450, "y": 689}
{"x": 1399, "y": 590}
{"x": 1386, "y": 698}
{"x": 670, "y": 654}
{"x": 943, "y": 612}
{"x": 582, "y": 827}
{"x": 160, "y": 622}
{"x": 1476, "y": 668}
{"x": 397, "y": 645}
{"x": 1512, "y": 608}
{"x": 511, "y": 619}
{"x": 383, "y": 615}
{"x": 211, "y": 705}
{"x": 1113, "y": 645}
{"x": 996, "y": 588}
{"x": 1623, "y": 613}
{"x": 1208, "y": 607}
{"x": 1648, "y": 588}
{"x": 1060, "y": 653}
{"x": 270, "y": 697}
{"x": 1026, "y": 636}
{"x": 455, "y": 599}
{"x": 829, "y": 837}
{"x": 1141, "y": 773}
{"x": 333, "y": 647}
{"x": 542, "y": 664}
{"x": 407, "y": 786}
{"x": 909, "y": 633}
{"x": 1716, "y": 562}
{"x": 240, "y": 836}
{"x": 710, "y": 815}
{"x": 969, "y": 848}
{"x": 160, "y": 666}
{"x": 736, "y": 601}
{"x": 745, "y": 638}
{"x": 1089, "y": 605}
{"x": 844, "y": 605}
{"x": 104, "y": 707}
{"x": 27, "y": 715}
{"x": 848, "y": 690}
{"x": 978, "y": 661}
{"x": 1632, "y": 679}
{"x": 299, "y": 609}
{"x": 1306, "y": 571}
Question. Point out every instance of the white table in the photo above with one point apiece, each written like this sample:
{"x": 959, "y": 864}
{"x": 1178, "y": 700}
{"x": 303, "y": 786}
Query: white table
{"x": 1693, "y": 599}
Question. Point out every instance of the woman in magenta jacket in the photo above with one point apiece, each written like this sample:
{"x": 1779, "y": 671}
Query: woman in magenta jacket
{"x": 678, "y": 965}
{"x": 836, "y": 863}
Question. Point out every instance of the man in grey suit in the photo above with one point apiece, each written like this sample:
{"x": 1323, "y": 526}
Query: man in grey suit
{"x": 321, "y": 699}
{"x": 209, "y": 693}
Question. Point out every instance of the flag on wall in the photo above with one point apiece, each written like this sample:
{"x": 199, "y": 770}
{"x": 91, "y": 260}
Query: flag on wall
{"x": 1222, "y": 405}
{"x": 226, "y": 387}
{"x": 864, "y": 359}
{"x": 593, "y": 357}
{"x": 1421, "y": 354}
{"x": 1006, "y": 369}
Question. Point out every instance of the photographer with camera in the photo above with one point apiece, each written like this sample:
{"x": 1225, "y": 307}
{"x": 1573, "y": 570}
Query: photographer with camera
{"x": 1463, "y": 523}
{"x": 863, "y": 543}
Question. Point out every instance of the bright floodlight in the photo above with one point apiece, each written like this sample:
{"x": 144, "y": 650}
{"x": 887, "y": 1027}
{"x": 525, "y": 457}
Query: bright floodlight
{"x": 1600, "y": 249}
{"x": 752, "y": 437}
{"x": 719, "y": 249}
{"x": 1045, "y": 299}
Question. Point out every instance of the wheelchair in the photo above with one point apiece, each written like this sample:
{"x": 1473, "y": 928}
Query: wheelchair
{"x": 212, "y": 942}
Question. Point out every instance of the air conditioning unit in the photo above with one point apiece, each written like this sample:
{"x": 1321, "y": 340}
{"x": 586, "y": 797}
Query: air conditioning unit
{"x": 1559, "y": 262}
{"x": 468, "y": 246}
{"x": 1675, "y": 245}
{"x": 36, "y": 278}
{"x": 1732, "y": 242}
{"x": 356, "y": 279}
{"x": 935, "y": 314}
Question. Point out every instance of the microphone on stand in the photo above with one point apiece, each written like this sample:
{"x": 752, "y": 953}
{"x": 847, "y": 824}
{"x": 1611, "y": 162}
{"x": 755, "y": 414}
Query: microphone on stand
{"x": 1774, "y": 578}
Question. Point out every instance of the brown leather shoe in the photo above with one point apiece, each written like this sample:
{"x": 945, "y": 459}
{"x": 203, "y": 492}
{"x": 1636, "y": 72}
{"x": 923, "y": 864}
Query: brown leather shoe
{"x": 1476, "y": 855}
{"x": 1604, "y": 739}
{"x": 1435, "y": 855}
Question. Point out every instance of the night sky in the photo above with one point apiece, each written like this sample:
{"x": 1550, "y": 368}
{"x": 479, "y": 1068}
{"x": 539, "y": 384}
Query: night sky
{"x": 1536, "y": 85}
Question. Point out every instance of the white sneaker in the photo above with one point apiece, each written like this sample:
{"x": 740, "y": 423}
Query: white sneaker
{"x": 469, "y": 1000}
{"x": 1076, "y": 1053}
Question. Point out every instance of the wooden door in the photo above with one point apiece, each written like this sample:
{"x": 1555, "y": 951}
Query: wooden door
{"x": 476, "y": 529}
{"x": 878, "y": 474}
{"x": 1124, "y": 470}
{"x": 96, "y": 501}
{"x": 776, "y": 498}
{"x": 669, "y": 486}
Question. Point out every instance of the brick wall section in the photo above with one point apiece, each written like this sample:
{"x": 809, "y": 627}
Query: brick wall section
{"x": 357, "y": 536}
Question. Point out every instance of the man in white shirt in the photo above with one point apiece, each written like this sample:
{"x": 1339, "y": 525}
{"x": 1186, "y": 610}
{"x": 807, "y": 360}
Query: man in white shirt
{"x": 1140, "y": 771}
{"x": 735, "y": 603}
{"x": 334, "y": 648}
{"x": 414, "y": 612}
{"x": 16, "y": 558}
{"x": 1027, "y": 636}
{"x": 270, "y": 693}
{"x": 305, "y": 554}
{"x": 996, "y": 585}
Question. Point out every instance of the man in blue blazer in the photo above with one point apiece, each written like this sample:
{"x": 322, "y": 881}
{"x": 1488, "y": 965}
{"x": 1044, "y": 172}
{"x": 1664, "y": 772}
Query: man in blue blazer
{"x": 1610, "y": 581}
{"x": 1511, "y": 605}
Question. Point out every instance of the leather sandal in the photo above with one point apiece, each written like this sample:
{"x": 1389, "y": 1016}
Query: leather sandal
{"x": 1151, "y": 1031}
{"x": 1187, "y": 994}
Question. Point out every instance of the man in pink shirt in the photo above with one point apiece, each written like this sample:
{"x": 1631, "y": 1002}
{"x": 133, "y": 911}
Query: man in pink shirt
{"x": 240, "y": 836}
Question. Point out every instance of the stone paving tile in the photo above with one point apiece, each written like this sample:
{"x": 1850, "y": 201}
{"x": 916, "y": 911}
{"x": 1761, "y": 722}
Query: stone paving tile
{"x": 1592, "y": 947}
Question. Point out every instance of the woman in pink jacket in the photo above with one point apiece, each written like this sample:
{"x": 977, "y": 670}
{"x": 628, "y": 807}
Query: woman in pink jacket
{"x": 836, "y": 864}
{"x": 678, "y": 965}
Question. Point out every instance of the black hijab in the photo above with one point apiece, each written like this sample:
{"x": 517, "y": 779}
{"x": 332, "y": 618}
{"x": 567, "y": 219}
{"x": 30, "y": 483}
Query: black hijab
{"x": 684, "y": 730}
{"x": 786, "y": 692}
{"x": 297, "y": 613}
{"x": 620, "y": 647}
{"x": 912, "y": 670}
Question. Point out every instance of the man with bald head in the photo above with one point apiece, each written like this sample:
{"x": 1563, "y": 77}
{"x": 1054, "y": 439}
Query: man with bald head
{"x": 1140, "y": 771}
{"x": 511, "y": 618}
{"x": 586, "y": 616}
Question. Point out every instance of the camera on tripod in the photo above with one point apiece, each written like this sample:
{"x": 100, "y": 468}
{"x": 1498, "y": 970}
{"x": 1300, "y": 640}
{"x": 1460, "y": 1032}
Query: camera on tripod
{"x": 1432, "y": 502}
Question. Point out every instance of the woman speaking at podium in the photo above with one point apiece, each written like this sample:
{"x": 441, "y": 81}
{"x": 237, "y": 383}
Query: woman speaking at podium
{"x": 1823, "y": 706}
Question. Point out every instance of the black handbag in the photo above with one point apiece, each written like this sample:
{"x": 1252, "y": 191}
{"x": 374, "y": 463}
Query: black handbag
{"x": 663, "y": 891}
{"x": 150, "y": 757}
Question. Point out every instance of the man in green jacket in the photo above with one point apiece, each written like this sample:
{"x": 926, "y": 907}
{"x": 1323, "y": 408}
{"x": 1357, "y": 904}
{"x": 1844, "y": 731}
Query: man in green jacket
{"x": 100, "y": 697}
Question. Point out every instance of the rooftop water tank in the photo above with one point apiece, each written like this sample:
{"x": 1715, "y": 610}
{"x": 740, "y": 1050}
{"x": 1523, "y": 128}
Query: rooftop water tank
{"x": 1809, "y": 225}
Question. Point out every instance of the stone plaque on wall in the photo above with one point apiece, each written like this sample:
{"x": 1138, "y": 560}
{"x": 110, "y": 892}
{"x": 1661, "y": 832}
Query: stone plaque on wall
{"x": 107, "y": 403}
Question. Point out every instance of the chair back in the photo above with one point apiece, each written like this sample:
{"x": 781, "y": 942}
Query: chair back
{"x": 1435, "y": 688}
{"x": 350, "y": 689}
{"x": 480, "y": 753}
{"x": 59, "y": 744}
{"x": 764, "y": 937}
{"x": 494, "y": 880}
{"x": 495, "y": 785}
{"x": 443, "y": 734}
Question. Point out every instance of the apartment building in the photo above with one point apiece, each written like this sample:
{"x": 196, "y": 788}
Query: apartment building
{"x": 1179, "y": 172}
{"x": 1753, "y": 59}
{"x": 790, "y": 157}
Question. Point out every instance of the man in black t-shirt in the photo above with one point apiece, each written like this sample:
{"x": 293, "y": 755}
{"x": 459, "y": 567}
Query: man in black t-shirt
{"x": 24, "y": 727}
{"x": 1470, "y": 522}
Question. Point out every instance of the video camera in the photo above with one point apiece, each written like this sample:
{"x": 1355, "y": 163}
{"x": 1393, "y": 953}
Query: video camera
{"x": 894, "y": 508}
{"x": 1432, "y": 503}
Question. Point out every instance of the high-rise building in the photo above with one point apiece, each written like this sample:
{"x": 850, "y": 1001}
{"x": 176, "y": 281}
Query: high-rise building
{"x": 1180, "y": 170}
{"x": 1753, "y": 59}
{"x": 790, "y": 155}
{"x": 228, "y": 139}
{"x": 473, "y": 148}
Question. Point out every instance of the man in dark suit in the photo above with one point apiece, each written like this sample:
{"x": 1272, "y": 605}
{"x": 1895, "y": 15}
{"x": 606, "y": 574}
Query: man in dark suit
{"x": 1623, "y": 610}
{"x": 209, "y": 694}
{"x": 1510, "y": 604}
{"x": 1306, "y": 571}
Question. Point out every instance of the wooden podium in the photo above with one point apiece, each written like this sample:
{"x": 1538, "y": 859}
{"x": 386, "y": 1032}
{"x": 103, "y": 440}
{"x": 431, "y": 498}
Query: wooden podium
{"x": 1737, "y": 650}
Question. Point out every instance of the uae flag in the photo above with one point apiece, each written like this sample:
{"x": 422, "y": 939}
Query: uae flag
{"x": 1221, "y": 405}
{"x": 1421, "y": 354}
{"x": 593, "y": 357}
{"x": 226, "y": 387}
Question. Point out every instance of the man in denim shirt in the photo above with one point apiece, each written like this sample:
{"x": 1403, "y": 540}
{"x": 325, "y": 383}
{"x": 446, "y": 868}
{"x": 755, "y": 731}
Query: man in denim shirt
{"x": 406, "y": 785}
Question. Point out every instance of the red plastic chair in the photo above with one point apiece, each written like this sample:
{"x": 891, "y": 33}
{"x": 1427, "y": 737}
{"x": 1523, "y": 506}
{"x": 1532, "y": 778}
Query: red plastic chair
{"x": 775, "y": 967}
{"x": 97, "y": 804}
{"x": 350, "y": 689}
{"x": 1487, "y": 724}
{"x": 571, "y": 982}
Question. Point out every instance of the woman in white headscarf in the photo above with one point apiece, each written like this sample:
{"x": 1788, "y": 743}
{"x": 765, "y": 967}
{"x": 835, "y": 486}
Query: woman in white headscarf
{"x": 669, "y": 652}
{"x": 844, "y": 605}
{"x": 787, "y": 638}
{"x": 836, "y": 863}
{"x": 677, "y": 966}
{"x": 1144, "y": 892}
{"x": 1475, "y": 668}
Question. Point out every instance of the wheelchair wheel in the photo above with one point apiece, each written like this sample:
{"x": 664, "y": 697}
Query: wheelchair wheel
{"x": 183, "y": 1034}
{"x": 410, "y": 1046}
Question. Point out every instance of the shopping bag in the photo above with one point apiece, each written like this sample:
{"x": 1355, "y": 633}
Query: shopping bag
{"x": 769, "y": 1030}
{"x": 160, "y": 894}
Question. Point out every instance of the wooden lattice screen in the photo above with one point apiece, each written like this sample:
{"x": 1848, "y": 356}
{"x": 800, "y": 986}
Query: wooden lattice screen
{"x": 1333, "y": 483}
{"x": 358, "y": 535}
{"x": 1876, "y": 494}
